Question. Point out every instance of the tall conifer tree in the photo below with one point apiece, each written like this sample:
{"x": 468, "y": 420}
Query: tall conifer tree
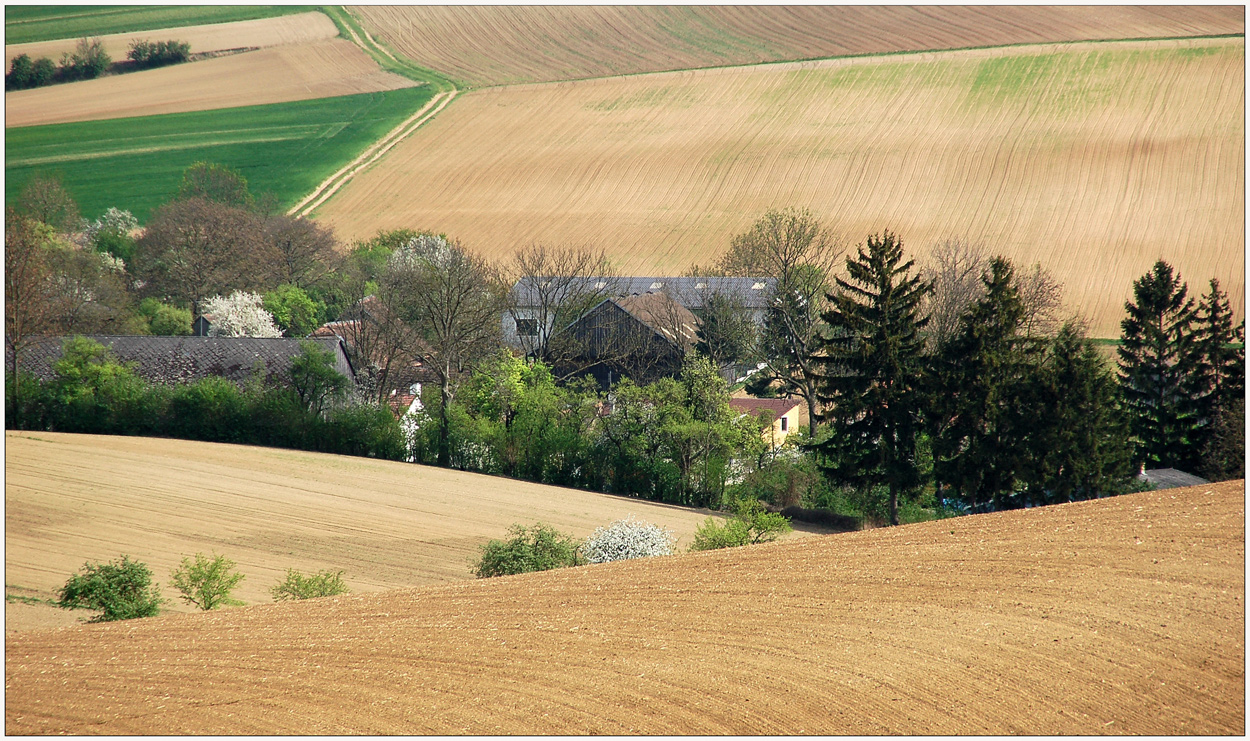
{"x": 873, "y": 366}
{"x": 1161, "y": 378}
{"x": 978, "y": 415}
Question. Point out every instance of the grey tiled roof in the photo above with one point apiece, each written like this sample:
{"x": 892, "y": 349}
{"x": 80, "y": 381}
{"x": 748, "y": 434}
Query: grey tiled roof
{"x": 1170, "y": 478}
{"x": 174, "y": 360}
{"x": 753, "y": 293}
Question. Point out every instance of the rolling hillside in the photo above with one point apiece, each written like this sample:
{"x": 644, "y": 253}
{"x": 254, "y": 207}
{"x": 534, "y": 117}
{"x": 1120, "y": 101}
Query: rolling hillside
{"x": 501, "y": 45}
{"x": 288, "y": 58}
{"x": 74, "y": 498}
{"x": 1094, "y": 159}
{"x": 1118, "y": 616}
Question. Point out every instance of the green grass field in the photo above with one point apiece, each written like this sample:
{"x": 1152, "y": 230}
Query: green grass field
{"x": 136, "y": 163}
{"x": 24, "y": 23}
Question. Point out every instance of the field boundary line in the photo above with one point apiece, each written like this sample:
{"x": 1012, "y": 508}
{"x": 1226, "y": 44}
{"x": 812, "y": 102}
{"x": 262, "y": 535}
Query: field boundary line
{"x": 332, "y": 184}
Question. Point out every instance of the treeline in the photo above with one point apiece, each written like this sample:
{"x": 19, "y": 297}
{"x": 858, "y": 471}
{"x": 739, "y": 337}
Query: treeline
{"x": 89, "y": 60}
{"x": 953, "y": 385}
{"x": 90, "y": 392}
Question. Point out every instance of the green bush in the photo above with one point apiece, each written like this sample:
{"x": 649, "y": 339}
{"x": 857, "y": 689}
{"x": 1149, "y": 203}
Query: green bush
{"x": 536, "y": 548}
{"x": 298, "y": 586}
{"x": 750, "y": 524}
{"x": 145, "y": 54}
{"x": 121, "y": 590}
{"x": 206, "y": 582}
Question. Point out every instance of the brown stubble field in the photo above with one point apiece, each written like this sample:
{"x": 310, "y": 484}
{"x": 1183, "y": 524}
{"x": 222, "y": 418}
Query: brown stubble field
{"x": 500, "y": 45}
{"x": 298, "y": 28}
{"x": 1093, "y": 159}
{"x": 286, "y": 67}
{"x": 76, "y": 498}
{"x": 1121, "y": 616}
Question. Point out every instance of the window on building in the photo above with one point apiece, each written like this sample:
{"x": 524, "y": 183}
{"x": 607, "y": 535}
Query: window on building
{"x": 527, "y": 327}
{"x": 784, "y": 423}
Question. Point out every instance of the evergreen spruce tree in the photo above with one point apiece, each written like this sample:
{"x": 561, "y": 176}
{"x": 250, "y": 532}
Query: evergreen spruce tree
{"x": 1077, "y": 444}
{"x": 1223, "y": 368}
{"x": 872, "y": 369}
{"x": 978, "y": 409}
{"x": 1161, "y": 374}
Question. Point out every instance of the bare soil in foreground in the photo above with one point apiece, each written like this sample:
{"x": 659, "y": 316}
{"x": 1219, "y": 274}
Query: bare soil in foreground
{"x": 70, "y": 499}
{"x": 1095, "y": 160}
{"x": 493, "y": 45}
{"x": 1117, "y": 616}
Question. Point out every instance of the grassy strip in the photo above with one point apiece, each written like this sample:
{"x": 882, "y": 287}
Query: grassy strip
{"x": 27, "y": 23}
{"x": 285, "y": 149}
{"x": 386, "y": 58}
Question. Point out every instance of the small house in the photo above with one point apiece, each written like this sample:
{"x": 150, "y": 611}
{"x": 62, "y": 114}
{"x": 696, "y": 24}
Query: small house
{"x": 781, "y": 416}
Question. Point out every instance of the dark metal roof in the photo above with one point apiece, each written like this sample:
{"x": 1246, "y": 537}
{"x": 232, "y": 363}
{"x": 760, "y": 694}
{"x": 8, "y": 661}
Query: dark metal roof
{"x": 753, "y": 293}
{"x": 1170, "y": 478}
{"x": 174, "y": 360}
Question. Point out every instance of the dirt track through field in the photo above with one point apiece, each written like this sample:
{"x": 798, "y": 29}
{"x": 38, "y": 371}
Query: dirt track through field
{"x": 492, "y": 45}
{"x": 278, "y": 74}
{"x": 74, "y": 498}
{"x": 1094, "y": 159}
{"x": 299, "y": 28}
{"x": 1119, "y": 616}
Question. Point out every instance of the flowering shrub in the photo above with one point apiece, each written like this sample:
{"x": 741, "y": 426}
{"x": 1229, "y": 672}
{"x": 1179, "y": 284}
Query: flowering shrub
{"x": 240, "y": 315}
{"x": 627, "y": 538}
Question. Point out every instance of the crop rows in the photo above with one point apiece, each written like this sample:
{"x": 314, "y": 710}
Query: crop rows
{"x": 1094, "y": 159}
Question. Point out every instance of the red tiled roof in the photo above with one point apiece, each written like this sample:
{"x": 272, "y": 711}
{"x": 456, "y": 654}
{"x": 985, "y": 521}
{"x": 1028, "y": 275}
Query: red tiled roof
{"x": 774, "y": 407}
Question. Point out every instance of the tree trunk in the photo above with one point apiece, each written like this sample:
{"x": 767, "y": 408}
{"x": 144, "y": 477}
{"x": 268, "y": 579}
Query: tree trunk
{"x": 811, "y": 414}
{"x": 893, "y": 503}
{"x": 444, "y": 433}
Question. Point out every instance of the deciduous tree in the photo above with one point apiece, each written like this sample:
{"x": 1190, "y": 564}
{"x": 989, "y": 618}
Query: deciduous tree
{"x": 196, "y": 248}
{"x": 800, "y": 252}
{"x": 453, "y": 300}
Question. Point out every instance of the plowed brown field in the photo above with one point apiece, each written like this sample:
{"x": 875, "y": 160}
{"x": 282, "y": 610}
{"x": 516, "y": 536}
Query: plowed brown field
{"x": 74, "y": 498}
{"x": 494, "y": 45}
{"x": 1094, "y": 159}
{"x": 1119, "y": 616}
{"x": 277, "y": 74}
{"x": 287, "y": 29}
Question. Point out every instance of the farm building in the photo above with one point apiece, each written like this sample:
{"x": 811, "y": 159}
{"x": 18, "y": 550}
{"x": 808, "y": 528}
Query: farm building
{"x": 536, "y": 300}
{"x": 642, "y": 336}
{"x": 380, "y": 348}
{"x": 783, "y": 416}
{"x": 177, "y": 360}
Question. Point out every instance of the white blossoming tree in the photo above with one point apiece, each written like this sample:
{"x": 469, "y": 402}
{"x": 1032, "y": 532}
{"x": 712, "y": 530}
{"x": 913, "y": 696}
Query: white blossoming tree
{"x": 239, "y": 315}
{"x": 626, "y": 539}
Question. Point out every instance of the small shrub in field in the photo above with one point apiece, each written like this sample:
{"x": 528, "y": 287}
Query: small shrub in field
{"x": 298, "y": 586}
{"x": 121, "y": 590}
{"x": 536, "y": 548}
{"x": 206, "y": 582}
{"x": 146, "y": 54}
{"x": 750, "y": 524}
{"x": 626, "y": 539}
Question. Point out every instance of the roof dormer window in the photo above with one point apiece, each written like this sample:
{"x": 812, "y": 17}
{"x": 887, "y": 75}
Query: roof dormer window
{"x": 656, "y": 285}
{"x": 758, "y": 287}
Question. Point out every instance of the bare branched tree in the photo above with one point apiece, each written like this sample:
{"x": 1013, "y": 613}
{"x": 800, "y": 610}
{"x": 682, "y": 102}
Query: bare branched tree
{"x": 802, "y": 254}
{"x": 1042, "y": 296}
{"x": 45, "y": 199}
{"x": 28, "y": 297}
{"x": 555, "y": 287}
{"x": 300, "y": 251}
{"x": 954, "y": 270}
{"x": 195, "y": 248}
{"x": 453, "y": 300}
